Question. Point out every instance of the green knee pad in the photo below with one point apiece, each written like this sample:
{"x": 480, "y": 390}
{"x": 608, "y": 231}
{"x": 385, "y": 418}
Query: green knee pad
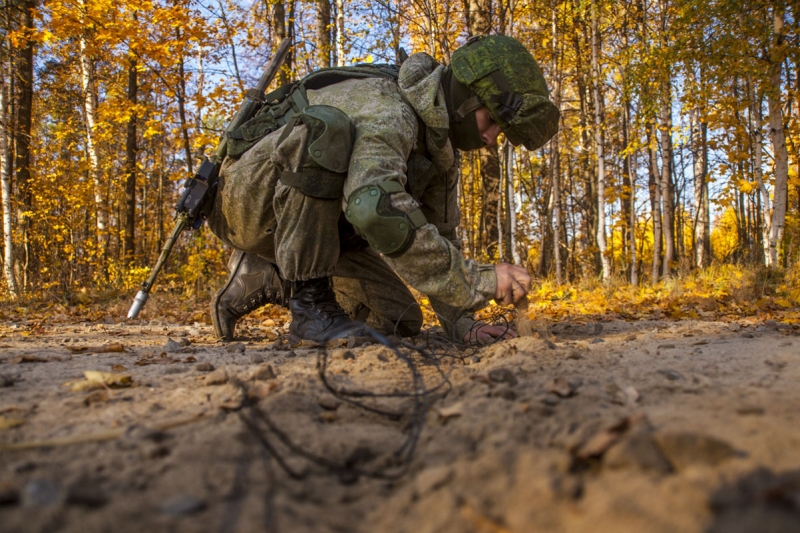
{"x": 387, "y": 229}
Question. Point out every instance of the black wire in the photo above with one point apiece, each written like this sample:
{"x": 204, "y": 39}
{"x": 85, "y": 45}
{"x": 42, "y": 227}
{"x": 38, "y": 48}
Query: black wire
{"x": 263, "y": 427}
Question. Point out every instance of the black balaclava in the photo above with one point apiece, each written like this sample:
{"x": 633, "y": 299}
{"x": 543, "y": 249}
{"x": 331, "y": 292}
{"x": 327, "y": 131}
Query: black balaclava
{"x": 461, "y": 106}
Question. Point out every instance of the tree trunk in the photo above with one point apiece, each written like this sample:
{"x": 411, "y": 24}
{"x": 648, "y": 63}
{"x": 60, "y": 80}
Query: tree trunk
{"x": 605, "y": 260}
{"x": 129, "y": 243}
{"x": 630, "y": 211}
{"x": 555, "y": 170}
{"x": 667, "y": 192}
{"x": 89, "y": 109}
{"x": 322, "y": 25}
{"x": 340, "y": 33}
{"x": 480, "y": 23}
{"x": 758, "y": 148}
{"x": 5, "y": 184}
{"x": 187, "y": 145}
{"x": 702, "y": 224}
{"x": 655, "y": 200}
{"x": 22, "y": 136}
{"x": 511, "y": 211}
{"x": 279, "y": 30}
{"x": 777, "y": 136}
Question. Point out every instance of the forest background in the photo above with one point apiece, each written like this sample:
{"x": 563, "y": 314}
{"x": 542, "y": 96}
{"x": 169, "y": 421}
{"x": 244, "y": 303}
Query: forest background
{"x": 675, "y": 174}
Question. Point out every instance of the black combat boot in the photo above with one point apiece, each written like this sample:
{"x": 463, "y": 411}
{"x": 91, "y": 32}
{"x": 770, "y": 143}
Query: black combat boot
{"x": 253, "y": 282}
{"x": 317, "y": 316}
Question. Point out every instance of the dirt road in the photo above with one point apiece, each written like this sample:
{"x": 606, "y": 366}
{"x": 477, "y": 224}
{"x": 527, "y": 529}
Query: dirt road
{"x": 650, "y": 426}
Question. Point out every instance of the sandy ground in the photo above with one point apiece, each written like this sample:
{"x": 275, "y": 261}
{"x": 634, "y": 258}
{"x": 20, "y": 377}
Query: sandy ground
{"x": 649, "y": 426}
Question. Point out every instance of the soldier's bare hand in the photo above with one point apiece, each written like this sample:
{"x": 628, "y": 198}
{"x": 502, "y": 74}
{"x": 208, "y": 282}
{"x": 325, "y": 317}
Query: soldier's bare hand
{"x": 482, "y": 333}
{"x": 513, "y": 283}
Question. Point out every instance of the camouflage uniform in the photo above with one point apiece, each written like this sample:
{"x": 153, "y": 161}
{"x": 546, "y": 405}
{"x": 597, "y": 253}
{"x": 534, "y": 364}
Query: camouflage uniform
{"x": 401, "y": 135}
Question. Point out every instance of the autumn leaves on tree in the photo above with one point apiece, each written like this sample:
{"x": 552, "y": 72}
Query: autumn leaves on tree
{"x": 678, "y": 143}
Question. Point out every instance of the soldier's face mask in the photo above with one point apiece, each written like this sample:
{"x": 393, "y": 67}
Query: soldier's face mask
{"x": 461, "y": 106}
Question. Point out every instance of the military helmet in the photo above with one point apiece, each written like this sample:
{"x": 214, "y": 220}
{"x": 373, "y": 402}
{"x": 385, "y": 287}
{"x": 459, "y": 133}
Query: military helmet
{"x": 503, "y": 75}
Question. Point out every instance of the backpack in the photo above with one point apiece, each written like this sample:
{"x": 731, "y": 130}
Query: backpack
{"x": 288, "y": 104}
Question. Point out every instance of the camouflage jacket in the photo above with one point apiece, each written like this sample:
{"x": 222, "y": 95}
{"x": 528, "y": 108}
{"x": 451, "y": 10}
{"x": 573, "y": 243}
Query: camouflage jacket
{"x": 402, "y": 136}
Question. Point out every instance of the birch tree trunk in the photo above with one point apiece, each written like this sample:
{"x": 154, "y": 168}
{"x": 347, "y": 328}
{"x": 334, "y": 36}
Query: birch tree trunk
{"x": 340, "y": 33}
{"x": 599, "y": 147}
{"x": 630, "y": 170}
{"x": 89, "y": 108}
{"x": 5, "y": 183}
{"x": 667, "y": 201}
{"x": 702, "y": 225}
{"x": 555, "y": 174}
{"x": 758, "y": 147}
{"x": 512, "y": 208}
{"x": 655, "y": 201}
{"x": 777, "y": 136}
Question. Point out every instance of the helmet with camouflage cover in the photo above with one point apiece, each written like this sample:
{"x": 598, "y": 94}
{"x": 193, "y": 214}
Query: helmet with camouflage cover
{"x": 500, "y": 73}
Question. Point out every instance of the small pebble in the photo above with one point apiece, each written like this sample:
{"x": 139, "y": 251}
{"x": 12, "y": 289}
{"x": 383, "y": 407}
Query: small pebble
{"x": 217, "y": 377}
{"x": 502, "y": 375}
{"x": 329, "y": 402}
{"x": 264, "y": 372}
{"x": 9, "y": 494}
{"x": 671, "y": 374}
{"x": 342, "y": 353}
{"x": 172, "y": 346}
{"x": 475, "y": 359}
{"x": 596, "y": 340}
{"x": 550, "y": 399}
{"x": 235, "y": 347}
{"x": 256, "y": 358}
{"x": 41, "y": 492}
{"x": 747, "y": 410}
{"x": 183, "y": 505}
{"x": 205, "y": 366}
{"x": 86, "y": 493}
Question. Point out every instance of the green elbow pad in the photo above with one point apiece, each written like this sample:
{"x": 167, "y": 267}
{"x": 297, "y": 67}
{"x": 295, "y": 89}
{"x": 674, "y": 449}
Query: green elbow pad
{"x": 387, "y": 229}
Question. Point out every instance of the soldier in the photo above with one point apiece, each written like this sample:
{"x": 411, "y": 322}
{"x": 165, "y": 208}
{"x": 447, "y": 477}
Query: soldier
{"x": 357, "y": 194}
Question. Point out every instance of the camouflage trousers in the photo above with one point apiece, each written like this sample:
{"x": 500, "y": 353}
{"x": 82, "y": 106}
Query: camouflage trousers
{"x": 307, "y": 237}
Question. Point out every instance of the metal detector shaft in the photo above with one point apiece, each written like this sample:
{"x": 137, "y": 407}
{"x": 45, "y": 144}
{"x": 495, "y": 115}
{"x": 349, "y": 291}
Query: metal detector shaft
{"x": 141, "y": 296}
{"x": 200, "y": 190}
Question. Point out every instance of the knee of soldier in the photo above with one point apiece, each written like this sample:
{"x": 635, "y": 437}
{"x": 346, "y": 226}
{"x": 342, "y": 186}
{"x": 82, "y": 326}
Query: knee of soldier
{"x": 388, "y": 230}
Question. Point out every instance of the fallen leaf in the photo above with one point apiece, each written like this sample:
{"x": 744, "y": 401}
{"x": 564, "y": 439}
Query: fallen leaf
{"x": 114, "y": 347}
{"x": 456, "y": 409}
{"x": 100, "y": 380}
{"x": 118, "y": 368}
{"x": 8, "y": 423}
{"x": 27, "y": 359}
{"x": 153, "y": 359}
